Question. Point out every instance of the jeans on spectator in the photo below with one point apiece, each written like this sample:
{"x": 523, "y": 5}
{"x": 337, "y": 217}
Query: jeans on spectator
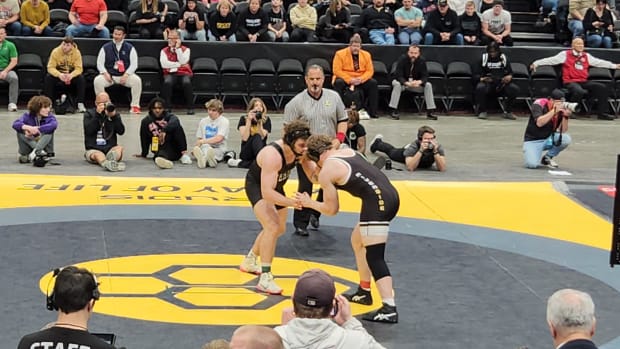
{"x": 86, "y": 30}
{"x": 272, "y": 36}
{"x": 13, "y": 81}
{"x": 27, "y": 31}
{"x": 379, "y": 37}
{"x": 549, "y": 6}
{"x": 212, "y": 37}
{"x": 14, "y": 29}
{"x": 532, "y": 150}
{"x": 598, "y": 41}
{"x": 576, "y": 27}
{"x": 408, "y": 36}
{"x": 429, "y": 39}
{"x": 199, "y": 35}
{"x": 27, "y": 144}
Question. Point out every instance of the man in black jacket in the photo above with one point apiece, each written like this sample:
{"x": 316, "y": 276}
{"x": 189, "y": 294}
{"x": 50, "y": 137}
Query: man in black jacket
{"x": 411, "y": 75}
{"x": 495, "y": 80}
{"x": 443, "y": 26}
{"x": 571, "y": 320}
{"x": 101, "y": 125}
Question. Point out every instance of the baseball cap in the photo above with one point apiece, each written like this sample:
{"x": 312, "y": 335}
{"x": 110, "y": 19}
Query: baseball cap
{"x": 442, "y": 2}
{"x": 557, "y": 94}
{"x": 314, "y": 288}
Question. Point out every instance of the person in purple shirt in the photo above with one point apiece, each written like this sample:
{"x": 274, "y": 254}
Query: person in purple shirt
{"x": 35, "y": 130}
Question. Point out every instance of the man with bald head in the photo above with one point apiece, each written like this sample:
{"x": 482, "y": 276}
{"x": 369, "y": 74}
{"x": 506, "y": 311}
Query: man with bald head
{"x": 101, "y": 126}
{"x": 255, "y": 337}
{"x": 571, "y": 320}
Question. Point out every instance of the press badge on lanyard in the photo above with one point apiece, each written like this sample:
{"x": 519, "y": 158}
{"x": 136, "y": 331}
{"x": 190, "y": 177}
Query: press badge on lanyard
{"x": 100, "y": 139}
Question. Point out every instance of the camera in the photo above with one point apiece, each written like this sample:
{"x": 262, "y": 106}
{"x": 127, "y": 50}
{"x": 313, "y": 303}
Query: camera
{"x": 573, "y": 107}
{"x": 430, "y": 146}
{"x": 258, "y": 116}
{"x": 110, "y": 108}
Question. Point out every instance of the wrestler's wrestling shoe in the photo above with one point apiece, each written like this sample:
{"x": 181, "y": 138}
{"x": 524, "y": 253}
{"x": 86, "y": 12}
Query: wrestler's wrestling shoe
{"x": 250, "y": 265}
{"x": 268, "y": 285}
{"x": 361, "y": 296}
{"x": 386, "y": 313}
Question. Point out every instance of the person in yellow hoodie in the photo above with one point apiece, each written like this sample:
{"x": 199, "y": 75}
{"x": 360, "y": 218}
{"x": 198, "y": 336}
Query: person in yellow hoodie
{"x": 303, "y": 19}
{"x": 64, "y": 70}
{"x": 35, "y": 18}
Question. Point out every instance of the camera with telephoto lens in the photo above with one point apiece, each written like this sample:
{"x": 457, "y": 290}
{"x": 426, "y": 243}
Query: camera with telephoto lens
{"x": 110, "y": 108}
{"x": 258, "y": 116}
{"x": 430, "y": 146}
{"x": 573, "y": 107}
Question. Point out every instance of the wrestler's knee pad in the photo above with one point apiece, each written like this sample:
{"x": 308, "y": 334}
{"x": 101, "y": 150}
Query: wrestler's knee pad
{"x": 375, "y": 257}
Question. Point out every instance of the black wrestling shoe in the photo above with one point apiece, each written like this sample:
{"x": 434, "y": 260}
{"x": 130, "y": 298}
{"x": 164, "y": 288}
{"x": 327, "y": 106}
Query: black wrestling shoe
{"x": 431, "y": 116}
{"x": 314, "y": 222}
{"x": 604, "y": 116}
{"x": 301, "y": 232}
{"x": 361, "y": 296}
{"x": 386, "y": 313}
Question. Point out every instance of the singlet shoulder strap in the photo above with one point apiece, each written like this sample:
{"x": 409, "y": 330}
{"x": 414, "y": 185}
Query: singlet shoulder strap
{"x": 281, "y": 151}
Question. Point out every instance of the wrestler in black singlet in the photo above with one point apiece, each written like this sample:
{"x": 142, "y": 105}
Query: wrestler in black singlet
{"x": 253, "y": 182}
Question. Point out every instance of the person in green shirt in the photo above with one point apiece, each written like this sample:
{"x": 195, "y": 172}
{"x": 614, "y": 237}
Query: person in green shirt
{"x": 8, "y": 61}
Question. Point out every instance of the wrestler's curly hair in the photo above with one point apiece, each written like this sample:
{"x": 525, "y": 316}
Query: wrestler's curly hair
{"x": 317, "y": 145}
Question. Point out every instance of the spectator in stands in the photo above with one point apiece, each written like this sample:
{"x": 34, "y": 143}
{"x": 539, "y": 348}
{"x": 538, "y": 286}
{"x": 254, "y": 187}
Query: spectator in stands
{"x": 495, "y": 79}
{"x": 88, "y": 18}
{"x": 409, "y": 21}
{"x": 75, "y": 293}
{"x": 102, "y": 124}
{"x": 254, "y": 129}
{"x": 9, "y": 17}
{"x": 252, "y": 23}
{"x": 64, "y": 68}
{"x": 356, "y": 133}
{"x": 379, "y": 20}
{"x": 411, "y": 75}
{"x": 575, "y": 65}
{"x": 486, "y": 4}
{"x": 321, "y": 319}
{"x": 598, "y": 24}
{"x": 59, "y": 4}
{"x": 8, "y": 62}
{"x": 443, "y": 26}
{"x": 35, "y": 18}
{"x": 353, "y": 69}
{"x": 576, "y": 11}
{"x": 571, "y": 319}
{"x": 427, "y": 6}
{"x": 303, "y": 20}
{"x": 117, "y": 63}
{"x": 176, "y": 68}
{"x": 458, "y": 6}
{"x": 471, "y": 27}
{"x": 337, "y": 23}
{"x": 423, "y": 152}
{"x": 255, "y": 337}
{"x": 546, "y": 130}
{"x": 192, "y": 23}
{"x": 496, "y": 25}
{"x": 35, "y": 130}
{"x": 162, "y": 134}
{"x": 223, "y": 22}
{"x": 277, "y": 27}
{"x": 117, "y": 5}
{"x": 151, "y": 16}
{"x": 212, "y": 134}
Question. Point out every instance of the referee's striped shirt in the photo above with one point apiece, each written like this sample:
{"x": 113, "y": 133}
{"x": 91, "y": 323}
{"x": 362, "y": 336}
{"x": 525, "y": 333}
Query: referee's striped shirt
{"x": 322, "y": 114}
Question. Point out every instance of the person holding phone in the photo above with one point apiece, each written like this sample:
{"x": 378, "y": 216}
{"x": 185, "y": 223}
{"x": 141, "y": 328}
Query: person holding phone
{"x": 175, "y": 64}
{"x": 321, "y": 319}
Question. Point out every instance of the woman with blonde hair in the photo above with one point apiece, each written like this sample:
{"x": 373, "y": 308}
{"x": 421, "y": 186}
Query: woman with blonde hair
{"x": 336, "y": 25}
{"x": 151, "y": 16}
{"x": 254, "y": 129}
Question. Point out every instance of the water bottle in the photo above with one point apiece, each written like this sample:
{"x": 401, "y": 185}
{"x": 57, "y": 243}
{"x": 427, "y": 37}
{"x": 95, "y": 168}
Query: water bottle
{"x": 63, "y": 98}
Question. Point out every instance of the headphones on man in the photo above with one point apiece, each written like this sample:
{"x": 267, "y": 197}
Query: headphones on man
{"x": 50, "y": 301}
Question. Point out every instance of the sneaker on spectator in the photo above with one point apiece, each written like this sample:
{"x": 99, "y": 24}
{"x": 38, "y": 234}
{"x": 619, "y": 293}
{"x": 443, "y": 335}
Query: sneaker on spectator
{"x": 163, "y": 163}
{"x": 361, "y": 296}
{"x": 201, "y": 159}
{"x": 111, "y": 155}
{"x": 12, "y": 107}
{"x": 81, "y": 108}
{"x": 386, "y": 313}
{"x": 210, "y": 156}
{"x": 549, "y": 162}
{"x": 113, "y": 165}
{"x": 509, "y": 116}
{"x": 23, "y": 159}
{"x": 373, "y": 143}
{"x": 482, "y": 115}
{"x": 186, "y": 160}
{"x": 363, "y": 114}
{"x": 233, "y": 162}
{"x": 135, "y": 110}
{"x": 268, "y": 285}
{"x": 250, "y": 265}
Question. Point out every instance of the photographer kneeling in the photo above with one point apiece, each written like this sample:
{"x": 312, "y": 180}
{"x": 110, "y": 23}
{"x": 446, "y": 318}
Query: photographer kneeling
{"x": 546, "y": 130}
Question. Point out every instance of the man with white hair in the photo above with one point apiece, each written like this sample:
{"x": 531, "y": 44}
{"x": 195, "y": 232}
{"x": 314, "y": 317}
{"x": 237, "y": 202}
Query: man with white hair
{"x": 570, "y": 315}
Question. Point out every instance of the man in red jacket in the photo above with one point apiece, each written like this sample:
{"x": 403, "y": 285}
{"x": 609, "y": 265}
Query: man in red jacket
{"x": 575, "y": 64}
{"x": 174, "y": 60}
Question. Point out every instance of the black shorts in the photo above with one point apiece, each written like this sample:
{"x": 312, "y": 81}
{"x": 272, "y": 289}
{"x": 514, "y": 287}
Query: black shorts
{"x": 254, "y": 194}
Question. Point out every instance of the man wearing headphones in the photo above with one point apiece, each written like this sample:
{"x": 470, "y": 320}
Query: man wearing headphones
{"x": 349, "y": 171}
{"x": 421, "y": 153}
{"x": 264, "y": 186}
{"x": 74, "y": 295}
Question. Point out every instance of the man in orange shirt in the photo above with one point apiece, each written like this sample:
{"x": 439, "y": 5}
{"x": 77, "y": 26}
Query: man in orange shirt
{"x": 353, "y": 71}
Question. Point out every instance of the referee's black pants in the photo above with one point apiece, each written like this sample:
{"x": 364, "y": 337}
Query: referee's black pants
{"x": 301, "y": 218}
